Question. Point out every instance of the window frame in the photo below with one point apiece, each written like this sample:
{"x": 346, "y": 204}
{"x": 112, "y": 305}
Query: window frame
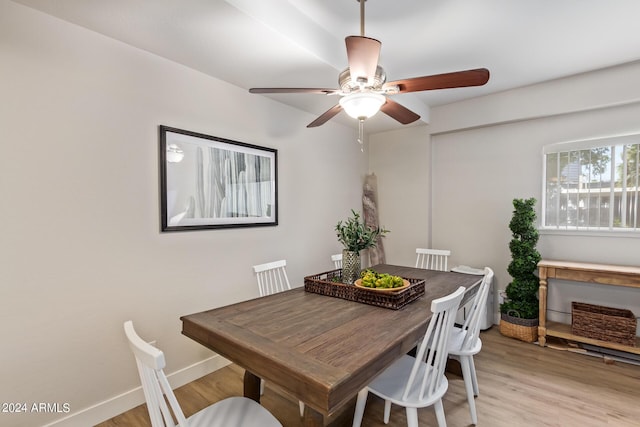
{"x": 570, "y": 147}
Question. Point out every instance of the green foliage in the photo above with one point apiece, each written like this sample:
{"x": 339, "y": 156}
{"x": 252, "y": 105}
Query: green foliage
{"x": 522, "y": 300}
{"x": 631, "y": 167}
{"x": 355, "y": 235}
{"x": 524, "y": 309}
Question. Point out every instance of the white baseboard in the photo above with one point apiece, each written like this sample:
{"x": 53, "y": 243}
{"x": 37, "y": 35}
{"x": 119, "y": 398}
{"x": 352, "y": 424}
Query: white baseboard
{"x": 130, "y": 399}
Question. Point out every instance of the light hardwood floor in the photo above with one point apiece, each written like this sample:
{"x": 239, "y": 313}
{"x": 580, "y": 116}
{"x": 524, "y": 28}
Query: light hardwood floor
{"x": 521, "y": 385}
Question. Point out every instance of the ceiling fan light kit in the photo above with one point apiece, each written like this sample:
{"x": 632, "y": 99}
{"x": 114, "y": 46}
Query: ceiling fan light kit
{"x": 362, "y": 105}
{"x": 365, "y": 91}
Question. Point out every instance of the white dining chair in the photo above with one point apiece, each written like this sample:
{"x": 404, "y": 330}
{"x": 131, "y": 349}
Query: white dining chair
{"x": 432, "y": 259}
{"x": 232, "y": 411}
{"x": 272, "y": 278}
{"x": 337, "y": 260}
{"x": 418, "y": 382}
{"x": 465, "y": 342}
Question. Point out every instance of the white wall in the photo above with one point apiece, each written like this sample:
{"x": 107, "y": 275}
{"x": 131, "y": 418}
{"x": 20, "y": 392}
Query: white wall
{"x": 401, "y": 161}
{"x": 477, "y": 172}
{"x": 81, "y": 249}
{"x": 488, "y": 151}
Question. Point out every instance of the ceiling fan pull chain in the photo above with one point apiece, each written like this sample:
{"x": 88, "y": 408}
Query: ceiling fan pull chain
{"x": 361, "y": 134}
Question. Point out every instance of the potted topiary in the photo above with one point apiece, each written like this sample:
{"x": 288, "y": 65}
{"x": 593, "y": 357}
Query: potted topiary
{"x": 519, "y": 311}
{"x": 355, "y": 236}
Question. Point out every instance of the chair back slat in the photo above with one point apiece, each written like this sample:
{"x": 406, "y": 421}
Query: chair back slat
{"x": 476, "y": 311}
{"x": 156, "y": 388}
{"x": 272, "y": 277}
{"x": 432, "y": 259}
{"x": 164, "y": 409}
{"x": 433, "y": 352}
{"x": 337, "y": 260}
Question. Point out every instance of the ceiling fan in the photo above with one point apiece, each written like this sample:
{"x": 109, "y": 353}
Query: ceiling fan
{"x": 364, "y": 89}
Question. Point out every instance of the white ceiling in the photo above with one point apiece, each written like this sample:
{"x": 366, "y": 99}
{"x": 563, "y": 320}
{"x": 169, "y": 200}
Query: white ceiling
{"x": 300, "y": 43}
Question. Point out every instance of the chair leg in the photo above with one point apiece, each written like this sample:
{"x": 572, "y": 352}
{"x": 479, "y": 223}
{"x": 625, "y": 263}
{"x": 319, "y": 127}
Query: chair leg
{"x": 360, "y": 404}
{"x": 442, "y": 422}
{"x": 301, "y": 404}
{"x": 466, "y": 362}
{"x": 387, "y": 411}
{"x": 476, "y": 389}
{"x": 412, "y": 417}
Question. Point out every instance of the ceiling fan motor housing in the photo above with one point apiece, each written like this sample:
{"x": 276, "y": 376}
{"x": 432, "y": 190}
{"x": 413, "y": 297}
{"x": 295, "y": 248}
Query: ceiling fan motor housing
{"x": 374, "y": 82}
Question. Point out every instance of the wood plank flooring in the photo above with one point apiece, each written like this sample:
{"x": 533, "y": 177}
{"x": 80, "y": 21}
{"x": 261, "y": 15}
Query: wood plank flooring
{"x": 521, "y": 385}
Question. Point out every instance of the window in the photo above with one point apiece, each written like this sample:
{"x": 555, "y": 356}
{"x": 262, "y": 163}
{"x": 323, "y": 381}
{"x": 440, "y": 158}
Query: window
{"x": 592, "y": 185}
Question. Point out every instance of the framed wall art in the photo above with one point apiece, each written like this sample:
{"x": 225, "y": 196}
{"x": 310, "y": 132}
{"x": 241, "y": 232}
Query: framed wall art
{"x": 210, "y": 182}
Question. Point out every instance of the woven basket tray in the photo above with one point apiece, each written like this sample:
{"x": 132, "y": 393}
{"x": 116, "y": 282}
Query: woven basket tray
{"x": 328, "y": 283}
{"x": 603, "y": 323}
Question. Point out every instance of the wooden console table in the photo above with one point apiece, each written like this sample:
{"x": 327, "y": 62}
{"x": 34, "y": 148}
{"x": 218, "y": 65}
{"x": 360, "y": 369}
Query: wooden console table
{"x": 613, "y": 275}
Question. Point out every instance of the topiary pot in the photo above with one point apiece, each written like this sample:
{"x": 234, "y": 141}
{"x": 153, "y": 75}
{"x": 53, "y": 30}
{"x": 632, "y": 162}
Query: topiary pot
{"x": 516, "y": 327}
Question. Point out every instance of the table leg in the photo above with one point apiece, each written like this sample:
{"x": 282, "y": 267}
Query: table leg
{"x": 313, "y": 418}
{"x": 341, "y": 418}
{"x": 454, "y": 367}
{"x": 251, "y": 386}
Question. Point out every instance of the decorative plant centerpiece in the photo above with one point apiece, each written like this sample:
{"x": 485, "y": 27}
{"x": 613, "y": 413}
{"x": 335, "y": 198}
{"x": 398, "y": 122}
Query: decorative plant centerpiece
{"x": 355, "y": 236}
{"x": 519, "y": 312}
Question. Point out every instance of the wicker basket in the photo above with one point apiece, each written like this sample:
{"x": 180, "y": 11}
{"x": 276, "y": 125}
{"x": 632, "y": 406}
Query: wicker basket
{"x": 515, "y": 327}
{"x": 603, "y": 323}
{"x": 328, "y": 283}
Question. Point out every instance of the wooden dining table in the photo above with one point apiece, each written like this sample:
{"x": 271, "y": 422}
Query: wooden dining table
{"x": 320, "y": 349}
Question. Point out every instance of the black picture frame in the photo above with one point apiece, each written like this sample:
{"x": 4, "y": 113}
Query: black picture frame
{"x": 207, "y": 182}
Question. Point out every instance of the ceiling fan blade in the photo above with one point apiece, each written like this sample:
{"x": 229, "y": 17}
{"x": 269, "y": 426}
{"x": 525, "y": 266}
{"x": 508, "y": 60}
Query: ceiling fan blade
{"x": 321, "y": 91}
{"x": 363, "y": 54}
{"x": 324, "y": 117}
{"x": 476, "y": 77}
{"x": 399, "y": 112}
